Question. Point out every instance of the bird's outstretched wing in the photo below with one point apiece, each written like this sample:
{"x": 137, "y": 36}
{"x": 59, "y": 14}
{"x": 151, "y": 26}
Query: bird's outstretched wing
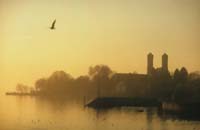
{"x": 53, "y": 24}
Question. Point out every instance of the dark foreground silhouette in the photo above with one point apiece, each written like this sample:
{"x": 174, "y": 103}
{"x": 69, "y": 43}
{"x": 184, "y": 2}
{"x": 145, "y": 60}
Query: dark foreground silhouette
{"x": 110, "y": 102}
{"x": 172, "y": 90}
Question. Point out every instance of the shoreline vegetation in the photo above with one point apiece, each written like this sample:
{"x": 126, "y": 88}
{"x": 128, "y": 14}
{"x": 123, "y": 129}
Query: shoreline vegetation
{"x": 172, "y": 90}
{"x": 21, "y": 94}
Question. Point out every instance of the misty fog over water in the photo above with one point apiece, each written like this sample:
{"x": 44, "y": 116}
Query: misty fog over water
{"x": 33, "y": 113}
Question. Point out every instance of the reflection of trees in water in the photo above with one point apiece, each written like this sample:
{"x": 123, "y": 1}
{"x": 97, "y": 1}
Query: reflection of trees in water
{"x": 149, "y": 114}
{"x": 163, "y": 125}
{"x": 101, "y": 114}
{"x": 56, "y": 104}
{"x": 129, "y": 114}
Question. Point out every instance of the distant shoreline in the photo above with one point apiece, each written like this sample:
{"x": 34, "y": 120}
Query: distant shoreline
{"x": 20, "y": 94}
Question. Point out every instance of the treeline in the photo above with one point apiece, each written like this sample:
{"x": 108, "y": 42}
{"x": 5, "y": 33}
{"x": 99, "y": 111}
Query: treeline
{"x": 62, "y": 85}
{"x": 180, "y": 86}
{"x": 102, "y": 81}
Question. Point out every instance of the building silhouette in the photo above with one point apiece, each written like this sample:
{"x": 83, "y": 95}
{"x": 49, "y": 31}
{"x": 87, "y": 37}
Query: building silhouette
{"x": 150, "y": 67}
{"x": 130, "y": 82}
{"x": 165, "y": 62}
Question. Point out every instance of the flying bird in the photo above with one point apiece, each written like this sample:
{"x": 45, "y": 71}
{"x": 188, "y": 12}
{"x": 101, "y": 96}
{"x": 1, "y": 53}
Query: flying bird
{"x": 53, "y": 25}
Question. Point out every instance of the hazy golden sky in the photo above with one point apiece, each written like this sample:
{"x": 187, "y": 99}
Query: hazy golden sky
{"x": 118, "y": 33}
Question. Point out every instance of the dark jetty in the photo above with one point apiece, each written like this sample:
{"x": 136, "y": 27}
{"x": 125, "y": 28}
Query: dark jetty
{"x": 109, "y": 102}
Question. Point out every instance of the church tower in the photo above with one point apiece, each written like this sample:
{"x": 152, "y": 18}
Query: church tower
{"x": 165, "y": 62}
{"x": 149, "y": 64}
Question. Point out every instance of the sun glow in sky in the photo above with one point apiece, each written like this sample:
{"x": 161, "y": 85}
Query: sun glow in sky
{"x": 118, "y": 33}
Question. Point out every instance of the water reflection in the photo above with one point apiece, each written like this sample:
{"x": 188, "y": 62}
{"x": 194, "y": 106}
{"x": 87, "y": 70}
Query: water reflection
{"x": 34, "y": 113}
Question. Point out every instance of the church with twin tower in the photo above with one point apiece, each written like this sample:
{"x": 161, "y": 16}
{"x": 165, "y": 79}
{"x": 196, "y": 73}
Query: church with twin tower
{"x": 130, "y": 82}
{"x": 150, "y": 65}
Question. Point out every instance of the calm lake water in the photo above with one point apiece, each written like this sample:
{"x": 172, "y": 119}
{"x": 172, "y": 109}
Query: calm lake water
{"x": 32, "y": 113}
